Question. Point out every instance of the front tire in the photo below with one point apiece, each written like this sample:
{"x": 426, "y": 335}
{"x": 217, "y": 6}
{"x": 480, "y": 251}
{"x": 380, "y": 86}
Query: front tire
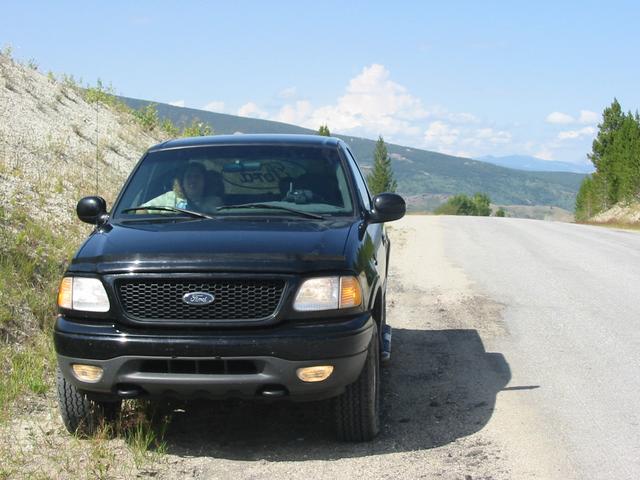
{"x": 81, "y": 415}
{"x": 357, "y": 410}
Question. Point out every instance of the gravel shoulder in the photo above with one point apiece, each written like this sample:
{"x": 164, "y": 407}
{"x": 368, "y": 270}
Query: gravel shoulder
{"x": 450, "y": 410}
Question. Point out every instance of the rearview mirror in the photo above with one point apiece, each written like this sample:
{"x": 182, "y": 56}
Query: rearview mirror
{"x": 387, "y": 207}
{"x": 92, "y": 210}
{"x": 241, "y": 166}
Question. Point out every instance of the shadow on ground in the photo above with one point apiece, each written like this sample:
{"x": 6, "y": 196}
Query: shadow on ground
{"x": 440, "y": 386}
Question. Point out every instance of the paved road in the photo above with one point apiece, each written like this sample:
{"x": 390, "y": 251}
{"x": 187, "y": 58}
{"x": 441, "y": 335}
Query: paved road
{"x": 571, "y": 297}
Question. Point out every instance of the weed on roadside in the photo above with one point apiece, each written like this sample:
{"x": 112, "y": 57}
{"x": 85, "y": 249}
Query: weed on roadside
{"x": 24, "y": 369}
{"x": 143, "y": 429}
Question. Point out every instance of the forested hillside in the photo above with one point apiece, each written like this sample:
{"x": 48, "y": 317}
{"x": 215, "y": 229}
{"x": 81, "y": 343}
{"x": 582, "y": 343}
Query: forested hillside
{"x": 616, "y": 156}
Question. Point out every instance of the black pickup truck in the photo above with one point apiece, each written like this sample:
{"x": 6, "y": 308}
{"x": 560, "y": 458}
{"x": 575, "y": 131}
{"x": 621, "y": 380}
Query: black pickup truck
{"x": 244, "y": 266}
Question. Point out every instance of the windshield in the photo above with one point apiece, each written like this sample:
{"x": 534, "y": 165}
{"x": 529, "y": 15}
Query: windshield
{"x": 238, "y": 180}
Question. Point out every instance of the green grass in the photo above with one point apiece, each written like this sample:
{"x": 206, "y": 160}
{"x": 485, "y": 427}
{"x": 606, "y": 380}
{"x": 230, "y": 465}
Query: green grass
{"x": 31, "y": 265}
{"x": 32, "y": 261}
{"x": 25, "y": 369}
{"x": 143, "y": 432}
{"x": 614, "y": 224}
{"x": 34, "y": 253}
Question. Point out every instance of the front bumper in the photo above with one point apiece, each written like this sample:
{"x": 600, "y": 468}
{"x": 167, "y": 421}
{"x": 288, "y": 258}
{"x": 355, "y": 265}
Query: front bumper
{"x": 275, "y": 354}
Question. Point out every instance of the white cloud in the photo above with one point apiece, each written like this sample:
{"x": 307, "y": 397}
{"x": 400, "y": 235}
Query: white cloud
{"x": 440, "y": 135}
{"x": 214, "y": 106}
{"x": 587, "y": 117}
{"x": 177, "y": 103}
{"x": 297, "y": 113}
{"x": 573, "y": 134}
{"x": 250, "y": 109}
{"x": 466, "y": 142}
{"x": 463, "y": 117}
{"x": 491, "y": 136}
{"x": 544, "y": 154}
{"x": 372, "y": 104}
{"x": 288, "y": 93}
{"x": 559, "y": 118}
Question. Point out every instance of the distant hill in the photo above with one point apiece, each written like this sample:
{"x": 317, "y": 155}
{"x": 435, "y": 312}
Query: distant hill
{"x": 427, "y": 176}
{"x": 529, "y": 163}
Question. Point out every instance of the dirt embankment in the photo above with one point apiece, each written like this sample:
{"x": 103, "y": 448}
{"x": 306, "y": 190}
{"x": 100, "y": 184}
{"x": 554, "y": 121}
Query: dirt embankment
{"x": 623, "y": 214}
{"x": 54, "y": 144}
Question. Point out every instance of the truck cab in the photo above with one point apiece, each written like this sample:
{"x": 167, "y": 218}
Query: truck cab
{"x": 244, "y": 266}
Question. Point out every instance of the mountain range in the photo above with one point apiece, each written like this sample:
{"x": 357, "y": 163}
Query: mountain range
{"x": 529, "y": 163}
{"x": 425, "y": 178}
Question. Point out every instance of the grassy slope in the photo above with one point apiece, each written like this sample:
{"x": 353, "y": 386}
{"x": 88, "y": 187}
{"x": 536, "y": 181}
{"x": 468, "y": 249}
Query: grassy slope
{"x": 47, "y": 161}
{"x": 418, "y": 171}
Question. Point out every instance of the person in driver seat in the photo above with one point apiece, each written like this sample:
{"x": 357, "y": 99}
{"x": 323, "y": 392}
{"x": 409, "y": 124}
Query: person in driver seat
{"x": 191, "y": 191}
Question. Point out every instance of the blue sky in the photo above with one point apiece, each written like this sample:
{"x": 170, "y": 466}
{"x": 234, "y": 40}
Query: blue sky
{"x": 467, "y": 78}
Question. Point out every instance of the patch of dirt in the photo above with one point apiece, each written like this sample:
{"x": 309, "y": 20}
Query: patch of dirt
{"x": 620, "y": 213}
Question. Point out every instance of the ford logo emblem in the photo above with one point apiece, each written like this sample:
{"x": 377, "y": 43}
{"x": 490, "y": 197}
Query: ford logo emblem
{"x": 198, "y": 298}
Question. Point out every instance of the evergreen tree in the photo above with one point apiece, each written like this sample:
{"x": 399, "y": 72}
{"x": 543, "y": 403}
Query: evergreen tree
{"x": 601, "y": 155}
{"x": 324, "y": 131}
{"x": 611, "y": 121}
{"x": 585, "y": 200}
{"x": 625, "y": 150}
{"x": 616, "y": 156}
{"x": 381, "y": 177}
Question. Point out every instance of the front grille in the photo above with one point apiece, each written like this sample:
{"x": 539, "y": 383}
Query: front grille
{"x": 233, "y": 299}
{"x": 201, "y": 367}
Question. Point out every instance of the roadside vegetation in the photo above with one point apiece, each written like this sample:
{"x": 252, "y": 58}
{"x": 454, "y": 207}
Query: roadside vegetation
{"x": 31, "y": 264}
{"x": 381, "y": 178}
{"x": 616, "y": 156}
{"x": 146, "y": 116}
{"x": 50, "y": 156}
{"x": 477, "y": 206}
{"x": 324, "y": 131}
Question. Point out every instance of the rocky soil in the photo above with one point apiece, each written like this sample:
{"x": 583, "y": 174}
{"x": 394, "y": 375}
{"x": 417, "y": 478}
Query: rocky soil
{"x": 620, "y": 214}
{"x": 54, "y": 144}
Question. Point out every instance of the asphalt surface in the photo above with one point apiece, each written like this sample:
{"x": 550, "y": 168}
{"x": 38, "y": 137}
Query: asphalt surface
{"x": 571, "y": 297}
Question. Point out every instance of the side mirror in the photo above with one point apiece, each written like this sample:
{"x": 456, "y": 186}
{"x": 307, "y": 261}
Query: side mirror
{"x": 92, "y": 210}
{"x": 387, "y": 207}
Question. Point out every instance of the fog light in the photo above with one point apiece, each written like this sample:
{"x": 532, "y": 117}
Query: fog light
{"x": 314, "y": 374}
{"x": 87, "y": 373}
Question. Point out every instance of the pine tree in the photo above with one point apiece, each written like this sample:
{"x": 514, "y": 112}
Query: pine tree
{"x": 381, "y": 177}
{"x": 625, "y": 150}
{"x": 324, "y": 131}
{"x": 602, "y": 157}
{"x": 616, "y": 156}
{"x": 585, "y": 200}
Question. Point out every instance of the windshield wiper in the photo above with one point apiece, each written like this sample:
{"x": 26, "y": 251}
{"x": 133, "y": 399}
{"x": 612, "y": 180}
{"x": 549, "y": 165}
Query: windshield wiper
{"x": 168, "y": 209}
{"x": 272, "y": 207}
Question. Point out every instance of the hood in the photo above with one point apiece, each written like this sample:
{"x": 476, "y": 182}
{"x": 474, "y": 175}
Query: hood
{"x": 273, "y": 245}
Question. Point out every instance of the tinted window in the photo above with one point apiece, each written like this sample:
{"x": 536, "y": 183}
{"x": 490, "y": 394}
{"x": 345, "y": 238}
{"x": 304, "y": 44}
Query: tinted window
{"x": 361, "y": 184}
{"x": 202, "y": 179}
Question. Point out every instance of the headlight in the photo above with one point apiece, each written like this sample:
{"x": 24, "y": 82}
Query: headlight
{"x": 328, "y": 293}
{"x": 85, "y": 294}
